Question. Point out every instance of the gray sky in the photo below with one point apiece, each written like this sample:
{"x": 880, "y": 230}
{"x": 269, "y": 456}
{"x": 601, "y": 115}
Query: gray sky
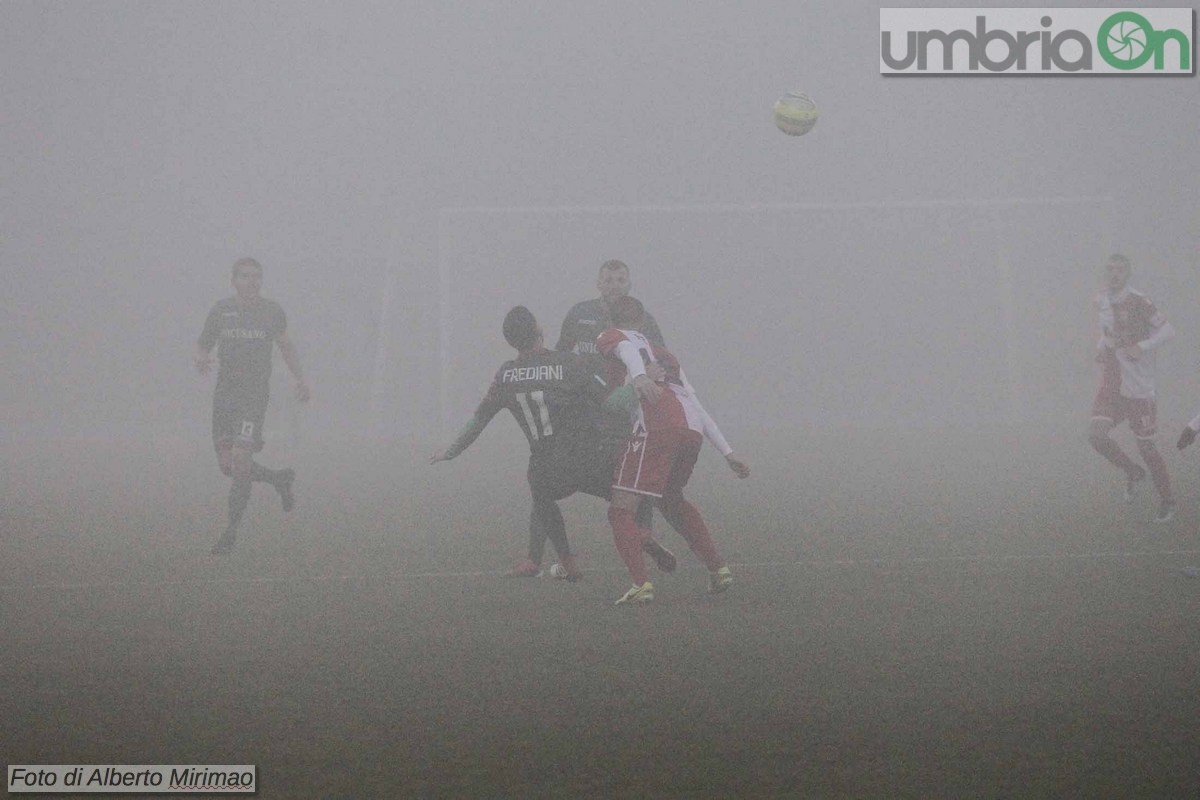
{"x": 148, "y": 145}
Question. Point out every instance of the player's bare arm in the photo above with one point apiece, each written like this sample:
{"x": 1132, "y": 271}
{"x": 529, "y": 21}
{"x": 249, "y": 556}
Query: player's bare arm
{"x": 290, "y": 357}
{"x": 467, "y": 436}
{"x": 739, "y": 467}
{"x": 1163, "y": 332}
{"x": 1189, "y": 433}
{"x": 647, "y": 389}
{"x": 202, "y": 358}
{"x": 1186, "y": 438}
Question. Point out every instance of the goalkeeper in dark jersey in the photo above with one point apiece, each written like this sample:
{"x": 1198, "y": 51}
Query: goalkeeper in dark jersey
{"x": 245, "y": 329}
{"x": 586, "y": 321}
{"x": 556, "y": 399}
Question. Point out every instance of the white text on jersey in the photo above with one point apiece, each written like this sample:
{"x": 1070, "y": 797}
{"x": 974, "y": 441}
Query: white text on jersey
{"x": 546, "y": 372}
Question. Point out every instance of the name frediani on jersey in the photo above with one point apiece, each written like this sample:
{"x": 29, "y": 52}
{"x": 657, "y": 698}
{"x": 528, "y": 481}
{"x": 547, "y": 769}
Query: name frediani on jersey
{"x": 243, "y": 333}
{"x": 545, "y": 372}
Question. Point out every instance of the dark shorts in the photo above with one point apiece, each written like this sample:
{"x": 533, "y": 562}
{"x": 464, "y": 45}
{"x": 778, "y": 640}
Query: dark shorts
{"x": 238, "y": 420}
{"x": 562, "y": 472}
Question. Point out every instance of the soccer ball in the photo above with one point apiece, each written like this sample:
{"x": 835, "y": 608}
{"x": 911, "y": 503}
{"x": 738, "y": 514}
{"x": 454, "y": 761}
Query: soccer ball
{"x": 795, "y": 113}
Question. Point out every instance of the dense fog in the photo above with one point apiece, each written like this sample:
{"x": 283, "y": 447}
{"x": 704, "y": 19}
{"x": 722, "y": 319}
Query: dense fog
{"x": 407, "y": 172}
{"x": 941, "y": 590}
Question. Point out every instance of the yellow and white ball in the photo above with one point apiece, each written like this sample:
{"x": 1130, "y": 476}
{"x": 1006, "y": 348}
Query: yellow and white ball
{"x": 795, "y": 113}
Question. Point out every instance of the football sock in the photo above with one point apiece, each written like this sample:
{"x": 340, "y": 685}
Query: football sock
{"x": 551, "y": 526}
{"x": 628, "y": 540}
{"x": 692, "y": 528}
{"x": 239, "y": 497}
{"x": 537, "y": 536}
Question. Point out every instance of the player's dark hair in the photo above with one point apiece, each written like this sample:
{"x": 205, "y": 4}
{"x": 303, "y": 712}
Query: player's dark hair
{"x": 520, "y": 328}
{"x": 246, "y": 262}
{"x": 614, "y": 264}
{"x": 626, "y": 312}
{"x": 1122, "y": 259}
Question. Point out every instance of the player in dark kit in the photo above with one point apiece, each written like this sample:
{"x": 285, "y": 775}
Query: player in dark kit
{"x": 555, "y": 399}
{"x": 586, "y": 321}
{"x": 245, "y": 328}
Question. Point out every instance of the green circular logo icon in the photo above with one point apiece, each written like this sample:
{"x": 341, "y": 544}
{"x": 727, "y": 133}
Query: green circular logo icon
{"x": 1126, "y": 40}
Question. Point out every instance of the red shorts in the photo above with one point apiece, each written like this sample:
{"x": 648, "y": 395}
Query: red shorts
{"x": 659, "y": 462}
{"x": 1141, "y": 413}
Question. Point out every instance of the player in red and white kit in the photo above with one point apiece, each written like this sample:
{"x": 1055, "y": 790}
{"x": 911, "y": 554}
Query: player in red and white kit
{"x": 669, "y": 427}
{"x": 1131, "y": 330}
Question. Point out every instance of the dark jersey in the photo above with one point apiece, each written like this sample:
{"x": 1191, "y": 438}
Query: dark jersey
{"x": 245, "y": 337}
{"x": 583, "y": 324}
{"x": 553, "y": 396}
{"x": 587, "y": 320}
